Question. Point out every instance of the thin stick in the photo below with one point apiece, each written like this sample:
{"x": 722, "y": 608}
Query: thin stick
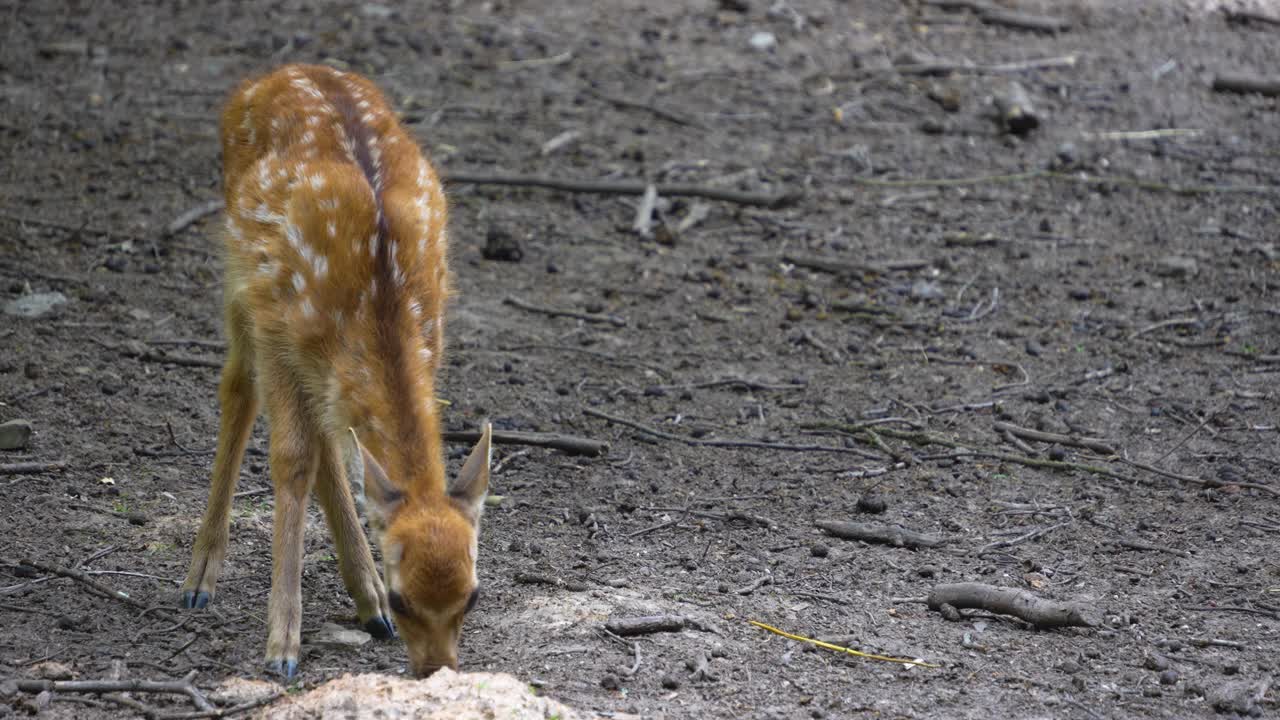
{"x": 184, "y": 360}
{"x": 181, "y": 222}
{"x": 839, "y": 267}
{"x": 568, "y": 443}
{"x": 658, "y": 112}
{"x": 1022, "y": 538}
{"x": 727, "y": 443}
{"x": 1172, "y": 322}
{"x": 839, "y": 648}
{"x": 1097, "y": 445}
{"x": 211, "y": 344}
{"x": 225, "y": 712}
{"x": 1067, "y": 177}
{"x": 946, "y": 67}
{"x": 614, "y": 320}
{"x": 627, "y": 187}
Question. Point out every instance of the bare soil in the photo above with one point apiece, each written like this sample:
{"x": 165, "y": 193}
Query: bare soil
{"x": 1126, "y": 297}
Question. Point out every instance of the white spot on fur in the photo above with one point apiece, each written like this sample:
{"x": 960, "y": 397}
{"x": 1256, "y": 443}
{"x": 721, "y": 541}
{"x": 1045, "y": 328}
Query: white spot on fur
{"x": 299, "y": 282}
{"x": 332, "y": 227}
{"x": 369, "y": 118}
{"x": 328, "y": 204}
{"x": 373, "y": 245}
{"x": 317, "y": 181}
{"x": 293, "y": 234}
{"x": 321, "y": 265}
{"x": 263, "y": 214}
{"x": 309, "y": 137}
{"x": 307, "y": 310}
{"x": 426, "y": 354}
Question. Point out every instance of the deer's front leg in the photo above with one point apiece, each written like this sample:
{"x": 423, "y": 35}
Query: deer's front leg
{"x": 294, "y": 456}
{"x": 239, "y": 401}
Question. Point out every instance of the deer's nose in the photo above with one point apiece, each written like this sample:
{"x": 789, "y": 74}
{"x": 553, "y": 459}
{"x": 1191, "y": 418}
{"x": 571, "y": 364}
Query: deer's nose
{"x": 426, "y": 671}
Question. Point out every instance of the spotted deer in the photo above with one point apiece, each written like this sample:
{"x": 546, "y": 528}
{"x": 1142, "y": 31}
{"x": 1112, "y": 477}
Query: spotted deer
{"x": 335, "y": 293}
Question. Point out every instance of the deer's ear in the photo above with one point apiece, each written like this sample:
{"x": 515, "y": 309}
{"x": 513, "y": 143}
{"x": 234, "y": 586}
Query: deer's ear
{"x": 374, "y": 493}
{"x": 471, "y": 486}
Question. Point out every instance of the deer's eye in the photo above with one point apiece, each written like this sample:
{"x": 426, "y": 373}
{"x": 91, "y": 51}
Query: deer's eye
{"x": 396, "y": 601}
{"x": 471, "y": 601}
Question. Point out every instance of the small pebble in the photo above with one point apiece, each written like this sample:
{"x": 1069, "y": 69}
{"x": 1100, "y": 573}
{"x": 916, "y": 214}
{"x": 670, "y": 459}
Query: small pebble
{"x": 872, "y": 503}
{"x": 927, "y": 571}
{"x": 670, "y": 682}
{"x": 819, "y": 550}
{"x": 499, "y": 245}
{"x": 1169, "y": 677}
{"x": 609, "y": 682}
{"x": 764, "y": 41}
{"x": 15, "y": 434}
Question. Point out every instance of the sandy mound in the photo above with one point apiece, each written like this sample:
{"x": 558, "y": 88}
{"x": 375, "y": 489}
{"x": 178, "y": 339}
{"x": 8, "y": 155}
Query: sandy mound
{"x": 446, "y": 695}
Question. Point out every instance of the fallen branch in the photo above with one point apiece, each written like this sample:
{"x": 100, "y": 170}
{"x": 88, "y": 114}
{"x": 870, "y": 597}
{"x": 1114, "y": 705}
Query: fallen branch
{"x": 568, "y": 443}
{"x": 31, "y": 468}
{"x": 614, "y": 320}
{"x": 992, "y": 15}
{"x": 1149, "y": 547}
{"x": 1096, "y": 445}
{"x": 1040, "y": 612}
{"x": 1244, "y": 83}
{"x": 727, "y": 443}
{"x": 175, "y": 687}
{"x": 83, "y": 579}
{"x": 1244, "y": 16}
{"x": 884, "y": 534}
{"x": 646, "y": 625}
{"x": 627, "y": 187}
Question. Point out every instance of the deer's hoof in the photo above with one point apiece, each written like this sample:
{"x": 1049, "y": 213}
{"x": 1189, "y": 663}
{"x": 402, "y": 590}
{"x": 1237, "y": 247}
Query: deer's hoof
{"x": 287, "y": 667}
{"x": 193, "y": 600}
{"x": 380, "y": 627}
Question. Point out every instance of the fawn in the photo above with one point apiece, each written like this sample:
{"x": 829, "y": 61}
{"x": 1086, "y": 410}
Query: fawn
{"x": 336, "y": 284}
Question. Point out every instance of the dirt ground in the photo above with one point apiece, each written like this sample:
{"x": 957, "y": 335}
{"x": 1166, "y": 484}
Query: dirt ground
{"x": 1116, "y": 287}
